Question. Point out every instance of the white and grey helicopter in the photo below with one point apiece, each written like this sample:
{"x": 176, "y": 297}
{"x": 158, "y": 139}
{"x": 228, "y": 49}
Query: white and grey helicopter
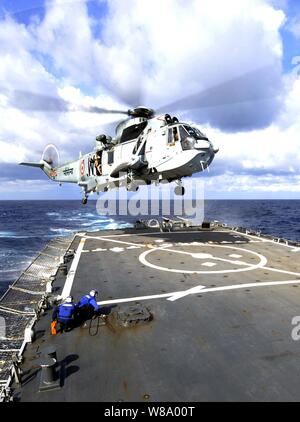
{"x": 145, "y": 148}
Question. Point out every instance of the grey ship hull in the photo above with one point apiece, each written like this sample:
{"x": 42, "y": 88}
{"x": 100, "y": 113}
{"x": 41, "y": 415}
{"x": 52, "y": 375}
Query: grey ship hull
{"x": 221, "y": 306}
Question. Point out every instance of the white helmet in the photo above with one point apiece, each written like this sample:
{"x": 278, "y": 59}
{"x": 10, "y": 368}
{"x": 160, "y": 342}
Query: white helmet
{"x": 69, "y": 299}
{"x": 93, "y": 293}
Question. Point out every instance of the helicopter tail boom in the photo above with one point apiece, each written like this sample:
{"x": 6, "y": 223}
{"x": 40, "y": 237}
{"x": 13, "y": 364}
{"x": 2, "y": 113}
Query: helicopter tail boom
{"x": 39, "y": 165}
{"x": 43, "y": 165}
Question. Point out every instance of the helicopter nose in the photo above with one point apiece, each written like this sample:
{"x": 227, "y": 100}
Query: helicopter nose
{"x": 214, "y": 148}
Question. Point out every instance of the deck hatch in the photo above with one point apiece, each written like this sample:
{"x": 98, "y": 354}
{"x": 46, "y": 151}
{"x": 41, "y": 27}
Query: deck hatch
{"x": 133, "y": 315}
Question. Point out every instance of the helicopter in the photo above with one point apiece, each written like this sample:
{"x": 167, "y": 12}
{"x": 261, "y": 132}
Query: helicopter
{"x": 146, "y": 149}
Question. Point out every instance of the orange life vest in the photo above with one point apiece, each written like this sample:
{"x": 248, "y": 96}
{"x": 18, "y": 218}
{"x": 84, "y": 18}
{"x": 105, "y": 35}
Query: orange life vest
{"x": 53, "y": 328}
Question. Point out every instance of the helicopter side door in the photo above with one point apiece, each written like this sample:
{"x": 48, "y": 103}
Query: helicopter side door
{"x": 156, "y": 146}
{"x": 128, "y": 140}
{"x": 150, "y": 147}
{"x": 108, "y": 161}
{"x": 173, "y": 136}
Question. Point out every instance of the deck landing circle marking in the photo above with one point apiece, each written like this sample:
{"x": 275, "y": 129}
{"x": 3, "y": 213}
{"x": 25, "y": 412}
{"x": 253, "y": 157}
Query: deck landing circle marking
{"x": 262, "y": 262}
{"x": 202, "y": 255}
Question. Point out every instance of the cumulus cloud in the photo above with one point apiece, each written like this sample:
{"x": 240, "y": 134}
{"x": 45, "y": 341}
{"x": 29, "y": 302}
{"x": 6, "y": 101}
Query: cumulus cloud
{"x": 261, "y": 160}
{"x": 165, "y": 50}
{"x": 293, "y": 25}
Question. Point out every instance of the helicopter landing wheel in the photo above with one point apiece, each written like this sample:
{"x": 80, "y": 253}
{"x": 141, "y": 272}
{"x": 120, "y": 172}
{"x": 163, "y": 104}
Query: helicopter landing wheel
{"x": 179, "y": 190}
{"x": 84, "y": 200}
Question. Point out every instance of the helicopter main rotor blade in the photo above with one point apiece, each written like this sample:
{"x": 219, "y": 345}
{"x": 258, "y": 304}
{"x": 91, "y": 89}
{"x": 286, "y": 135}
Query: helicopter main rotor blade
{"x": 237, "y": 90}
{"x": 103, "y": 110}
{"x": 25, "y": 100}
{"x": 29, "y": 101}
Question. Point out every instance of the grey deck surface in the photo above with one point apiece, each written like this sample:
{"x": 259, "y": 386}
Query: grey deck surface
{"x": 227, "y": 345}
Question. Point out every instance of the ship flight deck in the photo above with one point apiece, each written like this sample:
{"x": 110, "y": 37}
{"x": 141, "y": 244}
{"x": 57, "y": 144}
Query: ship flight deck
{"x": 192, "y": 315}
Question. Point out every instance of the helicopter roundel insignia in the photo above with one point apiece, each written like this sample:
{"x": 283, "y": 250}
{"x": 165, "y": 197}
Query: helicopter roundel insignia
{"x": 82, "y": 168}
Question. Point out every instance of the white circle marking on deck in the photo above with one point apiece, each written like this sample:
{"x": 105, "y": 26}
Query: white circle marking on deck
{"x": 202, "y": 255}
{"x": 262, "y": 262}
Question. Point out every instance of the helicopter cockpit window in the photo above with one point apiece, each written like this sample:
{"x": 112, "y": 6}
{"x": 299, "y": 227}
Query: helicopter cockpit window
{"x": 132, "y": 132}
{"x": 187, "y": 138}
{"x": 183, "y": 133}
{"x": 194, "y": 132}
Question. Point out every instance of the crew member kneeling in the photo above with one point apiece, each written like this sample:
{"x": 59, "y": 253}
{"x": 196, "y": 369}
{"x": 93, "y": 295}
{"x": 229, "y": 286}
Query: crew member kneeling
{"x": 64, "y": 314}
{"x": 87, "y": 306}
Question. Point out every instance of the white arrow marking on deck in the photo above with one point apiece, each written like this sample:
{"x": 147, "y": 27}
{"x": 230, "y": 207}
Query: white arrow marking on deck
{"x": 191, "y": 291}
{"x": 71, "y": 274}
{"x": 203, "y": 290}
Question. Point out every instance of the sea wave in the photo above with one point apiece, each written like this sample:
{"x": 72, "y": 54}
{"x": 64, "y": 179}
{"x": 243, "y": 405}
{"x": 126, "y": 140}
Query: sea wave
{"x": 12, "y": 270}
{"x": 69, "y": 219}
{"x": 7, "y": 234}
{"x": 61, "y": 230}
{"x": 11, "y": 235}
{"x": 115, "y": 226}
{"x": 98, "y": 222}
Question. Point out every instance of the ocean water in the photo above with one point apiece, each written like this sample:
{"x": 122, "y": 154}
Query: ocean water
{"x": 26, "y": 226}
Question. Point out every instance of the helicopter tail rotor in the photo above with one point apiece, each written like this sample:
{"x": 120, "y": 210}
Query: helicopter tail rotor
{"x": 49, "y": 161}
{"x": 51, "y": 155}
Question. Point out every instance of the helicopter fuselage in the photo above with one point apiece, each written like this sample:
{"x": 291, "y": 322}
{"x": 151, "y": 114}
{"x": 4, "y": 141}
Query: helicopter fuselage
{"x": 143, "y": 150}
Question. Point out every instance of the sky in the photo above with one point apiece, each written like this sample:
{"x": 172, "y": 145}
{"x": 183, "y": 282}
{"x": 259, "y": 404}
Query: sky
{"x": 118, "y": 54}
